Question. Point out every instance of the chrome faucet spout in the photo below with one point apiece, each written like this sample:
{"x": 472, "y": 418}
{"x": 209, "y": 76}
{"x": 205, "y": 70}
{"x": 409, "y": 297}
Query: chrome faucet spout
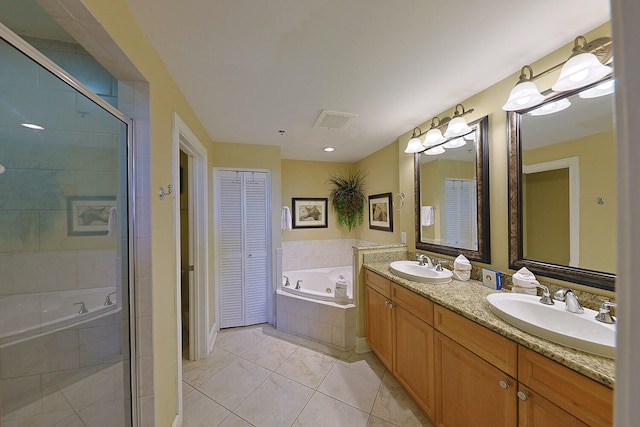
{"x": 570, "y": 299}
{"x": 83, "y": 309}
{"x": 421, "y": 259}
{"x": 298, "y": 284}
{"x": 108, "y": 300}
{"x": 546, "y": 295}
{"x": 604, "y": 314}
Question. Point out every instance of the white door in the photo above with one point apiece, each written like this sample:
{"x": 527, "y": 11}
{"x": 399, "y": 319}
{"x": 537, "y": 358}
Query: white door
{"x": 243, "y": 261}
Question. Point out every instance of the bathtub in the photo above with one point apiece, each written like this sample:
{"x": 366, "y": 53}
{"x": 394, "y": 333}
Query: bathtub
{"x": 27, "y": 316}
{"x": 319, "y": 283}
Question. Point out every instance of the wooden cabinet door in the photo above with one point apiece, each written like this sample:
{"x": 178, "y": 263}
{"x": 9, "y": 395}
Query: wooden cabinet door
{"x": 536, "y": 411}
{"x": 469, "y": 390}
{"x": 413, "y": 361}
{"x": 378, "y": 318}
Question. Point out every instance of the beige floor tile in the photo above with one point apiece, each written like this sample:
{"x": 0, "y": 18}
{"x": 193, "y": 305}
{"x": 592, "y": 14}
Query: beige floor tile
{"x": 323, "y": 410}
{"x": 277, "y": 402}
{"x": 72, "y": 421}
{"x": 200, "y": 411}
{"x": 197, "y": 372}
{"x": 186, "y": 389}
{"x": 393, "y": 404}
{"x": 270, "y": 352}
{"x": 378, "y": 422}
{"x": 369, "y": 359}
{"x": 354, "y": 384}
{"x": 105, "y": 384}
{"x": 104, "y": 414}
{"x": 41, "y": 420}
{"x": 239, "y": 340}
{"x": 234, "y": 421}
{"x": 234, "y": 383}
{"x": 307, "y": 367}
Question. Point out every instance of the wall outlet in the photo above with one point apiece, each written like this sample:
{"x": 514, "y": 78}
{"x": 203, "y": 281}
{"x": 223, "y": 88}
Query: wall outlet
{"x": 403, "y": 238}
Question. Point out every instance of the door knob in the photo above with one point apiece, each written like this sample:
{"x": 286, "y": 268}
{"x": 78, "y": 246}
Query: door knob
{"x": 522, "y": 395}
{"x": 504, "y": 384}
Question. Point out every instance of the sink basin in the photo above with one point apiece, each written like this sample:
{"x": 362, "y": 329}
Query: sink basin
{"x": 555, "y": 323}
{"x": 411, "y": 270}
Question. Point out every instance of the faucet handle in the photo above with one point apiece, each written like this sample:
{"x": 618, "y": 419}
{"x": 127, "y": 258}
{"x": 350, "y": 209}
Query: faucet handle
{"x": 546, "y": 295}
{"x": 604, "y": 314}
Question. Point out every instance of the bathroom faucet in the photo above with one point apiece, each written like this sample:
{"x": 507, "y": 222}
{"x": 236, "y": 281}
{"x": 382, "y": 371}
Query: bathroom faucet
{"x": 83, "y": 309}
{"x": 286, "y": 283}
{"x": 108, "y": 300}
{"x": 298, "y": 284}
{"x": 546, "y": 295}
{"x": 604, "y": 314}
{"x": 421, "y": 259}
{"x": 570, "y": 299}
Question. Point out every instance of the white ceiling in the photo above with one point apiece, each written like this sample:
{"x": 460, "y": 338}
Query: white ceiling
{"x": 252, "y": 68}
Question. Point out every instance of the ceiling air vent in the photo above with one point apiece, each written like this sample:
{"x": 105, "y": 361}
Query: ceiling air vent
{"x": 334, "y": 120}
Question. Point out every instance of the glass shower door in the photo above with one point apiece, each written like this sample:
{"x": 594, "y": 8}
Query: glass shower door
{"x": 64, "y": 252}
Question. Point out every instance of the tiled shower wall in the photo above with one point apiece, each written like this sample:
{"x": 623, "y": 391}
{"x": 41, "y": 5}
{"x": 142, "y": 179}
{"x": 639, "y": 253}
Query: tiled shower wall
{"x": 306, "y": 254}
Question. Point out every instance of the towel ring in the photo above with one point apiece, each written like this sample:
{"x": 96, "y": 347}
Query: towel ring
{"x": 401, "y": 195}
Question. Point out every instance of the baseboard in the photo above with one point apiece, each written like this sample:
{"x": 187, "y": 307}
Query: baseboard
{"x": 213, "y": 333}
{"x": 177, "y": 421}
{"x": 362, "y": 346}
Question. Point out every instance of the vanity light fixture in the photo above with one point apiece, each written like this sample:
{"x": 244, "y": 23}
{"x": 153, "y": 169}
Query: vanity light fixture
{"x": 329, "y": 149}
{"x": 551, "y": 107}
{"x": 31, "y": 126}
{"x": 435, "y": 151}
{"x": 585, "y": 66}
{"x": 456, "y": 127}
{"x": 602, "y": 89}
{"x": 455, "y": 143}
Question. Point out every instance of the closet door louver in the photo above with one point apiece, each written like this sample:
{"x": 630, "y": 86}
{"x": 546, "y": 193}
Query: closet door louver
{"x": 460, "y": 212}
{"x": 243, "y": 262}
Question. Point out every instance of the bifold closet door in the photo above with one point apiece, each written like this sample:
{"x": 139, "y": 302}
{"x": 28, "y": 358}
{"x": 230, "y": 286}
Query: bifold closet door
{"x": 243, "y": 255}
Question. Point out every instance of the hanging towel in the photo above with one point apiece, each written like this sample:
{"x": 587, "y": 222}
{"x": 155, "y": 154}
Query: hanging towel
{"x": 286, "y": 218}
{"x": 427, "y": 216}
{"x": 111, "y": 224}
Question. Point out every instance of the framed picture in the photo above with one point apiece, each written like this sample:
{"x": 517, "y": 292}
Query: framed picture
{"x": 380, "y": 212}
{"x": 309, "y": 213}
{"x": 89, "y": 215}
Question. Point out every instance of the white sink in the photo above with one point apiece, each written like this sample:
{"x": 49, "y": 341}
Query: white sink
{"x": 555, "y": 323}
{"x": 412, "y": 270}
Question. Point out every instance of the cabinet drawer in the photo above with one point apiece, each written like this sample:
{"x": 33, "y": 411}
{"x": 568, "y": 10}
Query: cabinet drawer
{"x": 414, "y": 303}
{"x": 377, "y": 282}
{"x": 585, "y": 399}
{"x": 492, "y": 347}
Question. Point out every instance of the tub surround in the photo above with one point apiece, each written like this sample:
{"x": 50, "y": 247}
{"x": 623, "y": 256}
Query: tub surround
{"x": 469, "y": 300}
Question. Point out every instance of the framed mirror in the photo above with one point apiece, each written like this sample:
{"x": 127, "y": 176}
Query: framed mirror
{"x": 562, "y": 187}
{"x": 452, "y": 196}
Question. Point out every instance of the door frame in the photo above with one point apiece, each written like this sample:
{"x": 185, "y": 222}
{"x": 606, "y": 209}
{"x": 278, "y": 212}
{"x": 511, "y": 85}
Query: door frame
{"x": 185, "y": 140}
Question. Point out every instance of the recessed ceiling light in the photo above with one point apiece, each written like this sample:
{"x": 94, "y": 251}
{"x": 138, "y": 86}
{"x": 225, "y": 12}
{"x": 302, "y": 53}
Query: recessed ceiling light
{"x": 329, "y": 149}
{"x": 32, "y": 126}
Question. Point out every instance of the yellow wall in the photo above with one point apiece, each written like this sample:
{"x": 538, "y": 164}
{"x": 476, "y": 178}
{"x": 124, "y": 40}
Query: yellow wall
{"x": 598, "y": 229}
{"x": 165, "y": 98}
{"x": 382, "y": 177}
{"x": 489, "y": 102}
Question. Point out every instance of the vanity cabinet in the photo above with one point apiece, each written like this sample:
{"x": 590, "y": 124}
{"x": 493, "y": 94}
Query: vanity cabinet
{"x": 400, "y": 333}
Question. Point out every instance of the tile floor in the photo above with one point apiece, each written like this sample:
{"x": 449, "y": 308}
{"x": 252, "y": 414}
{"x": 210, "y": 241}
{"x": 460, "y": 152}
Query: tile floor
{"x": 258, "y": 376}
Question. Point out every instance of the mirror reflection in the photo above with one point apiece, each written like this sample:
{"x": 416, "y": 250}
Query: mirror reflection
{"x": 451, "y": 190}
{"x": 566, "y": 205}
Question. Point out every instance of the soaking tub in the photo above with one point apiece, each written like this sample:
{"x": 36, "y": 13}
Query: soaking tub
{"x": 26, "y": 316}
{"x": 319, "y": 283}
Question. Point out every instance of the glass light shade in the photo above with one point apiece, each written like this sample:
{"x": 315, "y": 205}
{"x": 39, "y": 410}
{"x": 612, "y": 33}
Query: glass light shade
{"x": 457, "y": 127}
{"x": 523, "y": 95}
{"x": 470, "y": 136}
{"x": 579, "y": 71}
{"x": 455, "y": 143}
{"x": 600, "y": 90}
{"x": 414, "y": 146}
{"x": 434, "y": 151}
{"x": 550, "y": 108}
{"x": 434, "y": 136}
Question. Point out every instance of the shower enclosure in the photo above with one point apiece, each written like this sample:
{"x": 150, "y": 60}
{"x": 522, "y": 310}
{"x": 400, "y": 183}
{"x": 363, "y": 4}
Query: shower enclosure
{"x": 64, "y": 247}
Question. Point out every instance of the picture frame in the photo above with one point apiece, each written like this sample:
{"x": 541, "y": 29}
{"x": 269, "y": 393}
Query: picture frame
{"x": 309, "y": 212}
{"x": 89, "y": 215}
{"x": 380, "y": 212}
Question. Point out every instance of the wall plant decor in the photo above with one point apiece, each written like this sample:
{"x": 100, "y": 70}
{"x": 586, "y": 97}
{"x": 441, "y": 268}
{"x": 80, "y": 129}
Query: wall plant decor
{"x": 347, "y": 197}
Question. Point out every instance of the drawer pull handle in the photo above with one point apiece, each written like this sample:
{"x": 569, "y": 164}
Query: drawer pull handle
{"x": 522, "y": 395}
{"x": 504, "y": 384}
{"x": 390, "y": 305}
{"x": 386, "y": 303}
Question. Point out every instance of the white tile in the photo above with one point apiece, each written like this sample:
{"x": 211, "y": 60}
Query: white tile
{"x": 338, "y": 338}
{"x": 354, "y": 384}
{"x": 104, "y": 414}
{"x": 200, "y": 411}
{"x": 238, "y": 341}
{"x": 394, "y": 405}
{"x": 196, "y": 372}
{"x": 234, "y": 383}
{"x": 270, "y": 352}
{"x": 233, "y": 420}
{"x": 277, "y": 402}
{"x": 307, "y": 367}
{"x": 323, "y": 410}
{"x": 323, "y": 332}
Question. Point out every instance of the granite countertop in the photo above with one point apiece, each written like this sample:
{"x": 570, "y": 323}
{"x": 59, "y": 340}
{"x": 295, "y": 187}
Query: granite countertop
{"x": 469, "y": 300}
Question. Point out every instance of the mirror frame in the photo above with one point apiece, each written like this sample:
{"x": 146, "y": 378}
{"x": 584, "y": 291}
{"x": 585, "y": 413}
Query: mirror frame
{"x": 596, "y": 279}
{"x": 483, "y": 253}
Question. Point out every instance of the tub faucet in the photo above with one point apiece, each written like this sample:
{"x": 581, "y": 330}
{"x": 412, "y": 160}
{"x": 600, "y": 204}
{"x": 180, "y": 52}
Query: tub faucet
{"x": 570, "y": 299}
{"x": 108, "y": 300}
{"x": 83, "y": 309}
{"x": 287, "y": 281}
{"x": 298, "y": 284}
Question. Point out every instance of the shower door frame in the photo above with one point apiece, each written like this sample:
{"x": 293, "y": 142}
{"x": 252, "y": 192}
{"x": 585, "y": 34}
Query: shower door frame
{"x": 21, "y": 45}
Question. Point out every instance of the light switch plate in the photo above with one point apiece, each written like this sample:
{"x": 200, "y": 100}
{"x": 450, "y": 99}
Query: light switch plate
{"x": 403, "y": 237}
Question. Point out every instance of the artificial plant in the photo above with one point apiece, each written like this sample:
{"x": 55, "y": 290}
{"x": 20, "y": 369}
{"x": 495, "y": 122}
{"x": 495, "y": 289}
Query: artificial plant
{"x": 347, "y": 197}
